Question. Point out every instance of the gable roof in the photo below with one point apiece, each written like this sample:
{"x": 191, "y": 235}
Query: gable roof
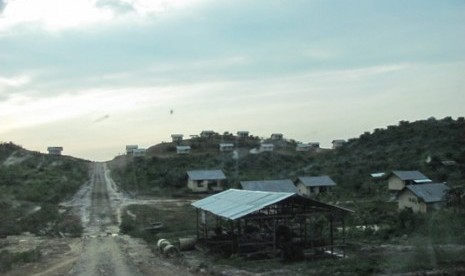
{"x": 285, "y": 185}
{"x": 206, "y": 174}
{"x": 429, "y": 193}
{"x": 410, "y": 175}
{"x": 314, "y": 181}
{"x": 233, "y": 204}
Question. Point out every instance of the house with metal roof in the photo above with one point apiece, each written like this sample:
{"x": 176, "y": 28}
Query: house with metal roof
{"x": 205, "y": 180}
{"x": 313, "y": 185}
{"x": 266, "y": 147}
{"x": 276, "y": 136}
{"x": 283, "y": 185}
{"x": 303, "y": 147}
{"x": 397, "y": 180}
{"x": 422, "y": 198}
{"x": 247, "y": 222}
{"x": 338, "y": 143}
{"x": 54, "y": 150}
{"x": 176, "y": 138}
{"x": 242, "y": 134}
{"x": 131, "y": 148}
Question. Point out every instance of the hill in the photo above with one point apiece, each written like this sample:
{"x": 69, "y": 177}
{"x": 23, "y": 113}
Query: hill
{"x": 435, "y": 147}
{"x": 31, "y": 187}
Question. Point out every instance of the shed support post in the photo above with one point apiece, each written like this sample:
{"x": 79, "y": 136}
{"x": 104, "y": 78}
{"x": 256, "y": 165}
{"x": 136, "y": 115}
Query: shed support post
{"x": 331, "y": 236}
{"x": 343, "y": 237}
{"x": 197, "y": 218}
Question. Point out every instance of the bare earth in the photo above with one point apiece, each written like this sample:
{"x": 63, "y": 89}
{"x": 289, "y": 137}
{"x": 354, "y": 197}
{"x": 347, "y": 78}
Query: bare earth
{"x": 101, "y": 250}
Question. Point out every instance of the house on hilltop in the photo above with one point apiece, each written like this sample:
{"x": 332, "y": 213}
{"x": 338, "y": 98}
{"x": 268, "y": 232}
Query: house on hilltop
{"x": 338, "y": 143}
{"x": 303, "y": 147}
{"x": 266, "y": 147}
{"x": 242, "y": 134}
{"x": 207, "y": 133}
{"x": 176, "y": 138}
{"x": 183, "y": 149}
{"x": 276, "y": 136}
{"x": 54, "y": 150}
{"x": 131, "y": 148}
{"x": 205, "y": 180}
{"x": 422, "y": 198}
{"x": 139, "y": 152}
{"x": 313, "y": 185}
{"x": 284, "y": 185}
{"x": 226, "y": 147}
{"x": 397, "y": 180}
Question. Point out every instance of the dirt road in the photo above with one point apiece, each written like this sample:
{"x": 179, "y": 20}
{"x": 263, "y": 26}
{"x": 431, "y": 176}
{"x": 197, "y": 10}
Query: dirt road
{"x": 102, "y": 250}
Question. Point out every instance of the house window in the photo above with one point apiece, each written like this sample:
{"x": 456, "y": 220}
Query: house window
{"x": 200, "y": 184}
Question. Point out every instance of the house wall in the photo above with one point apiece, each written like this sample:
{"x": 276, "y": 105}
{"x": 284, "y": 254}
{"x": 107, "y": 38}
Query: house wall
{"x": 408, "y": 200}
{"x": 204, "y": 185}
{"x": 308, "y": 191}
{"x": 395, "y": 183}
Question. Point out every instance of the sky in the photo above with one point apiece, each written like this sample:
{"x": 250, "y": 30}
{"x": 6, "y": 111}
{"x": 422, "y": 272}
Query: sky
{"x": 96, "y": 75}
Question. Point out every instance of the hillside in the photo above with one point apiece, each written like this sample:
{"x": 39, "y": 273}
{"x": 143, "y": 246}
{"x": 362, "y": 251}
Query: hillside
{"x": 435, "y": 147}
{"x": 31, "y": 187}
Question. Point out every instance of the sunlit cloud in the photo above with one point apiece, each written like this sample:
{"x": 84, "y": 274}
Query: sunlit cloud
{"x": 56, "y": 15}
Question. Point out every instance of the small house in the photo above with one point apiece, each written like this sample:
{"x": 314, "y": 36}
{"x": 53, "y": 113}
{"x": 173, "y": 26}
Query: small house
{"x": 397, "y": 180}
{"x": 131, "y": 148}
{"x": 303, "y": 147}
{"x": 266, "y": 147}
{"x": 205, "y": 180}
{"x": 183, "y": 149}
{"x": 176, "y": 138}
{"x": 226, "y": 147}
{"x": 242, "y": 134}
{"x": 54, "y": 150}
{"x": 338, "y": 143}
{"x": 313, "y": 185}
{"x": 276, "y": 136}
{"x": 139, "y": 152}
{"x": 284, "y": 186}
{"x": 422, "y": 198}
{"x": 315, "y": 145}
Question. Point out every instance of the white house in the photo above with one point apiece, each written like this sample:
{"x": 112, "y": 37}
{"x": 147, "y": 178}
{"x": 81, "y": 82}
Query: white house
{"x": 276, "y": 136}
{"x": 226, "y": 147}
{"x": 313, "y": 185}
{"x": 303, "y": 147}
{"x": 176, "y": 138}
{"x": 139, "y": 152}
{"x": 131, "y": 148}
{"x": 397, "y": 180}
{"x": 266, "y": 147}
{"x": 242, "y": 134}
{"x": 183, "y": 149}
{"x": 205, "y": 180}
{"x": 54, "y": 150}
{"x": 422, "y": 198}
{"x": 338, "y": 143}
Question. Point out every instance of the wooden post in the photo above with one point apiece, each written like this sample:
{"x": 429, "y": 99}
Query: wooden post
{"x": 198, "y": 229}
{"x": 274, "y": 234}
{"x": 331, "y": 237}
{"x": 343, "y": 237}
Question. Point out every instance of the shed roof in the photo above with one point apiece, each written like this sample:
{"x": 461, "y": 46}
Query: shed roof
{"x": 284, "y": 185}
{"x": 233, "y": 204}
{"x": 429, "y": 193}
{"x": 409, "y": 175}
{"x": 314, "y": 181}
{"x": 206, "y": 174}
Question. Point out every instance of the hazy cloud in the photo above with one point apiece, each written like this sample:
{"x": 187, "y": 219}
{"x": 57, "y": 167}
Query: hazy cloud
{"x": 101, "y": 119}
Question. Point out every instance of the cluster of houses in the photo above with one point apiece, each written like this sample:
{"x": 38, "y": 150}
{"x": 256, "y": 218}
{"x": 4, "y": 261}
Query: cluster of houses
{"x": 213, "y": 180}
{"x": 135, "y": 151}
{"x": 266, "y": 146}
{"x": 413, "y": 189}
{"x": 416, "y": 191}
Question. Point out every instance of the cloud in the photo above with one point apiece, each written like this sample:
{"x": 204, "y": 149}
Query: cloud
{"x": 57, "y": 15}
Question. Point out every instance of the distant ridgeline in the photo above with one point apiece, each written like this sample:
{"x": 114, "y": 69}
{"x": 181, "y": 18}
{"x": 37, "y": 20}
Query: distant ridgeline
{"x": 435, "y": 147}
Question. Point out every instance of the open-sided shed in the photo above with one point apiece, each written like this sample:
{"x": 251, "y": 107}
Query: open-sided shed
{"x": 272, "y": 223}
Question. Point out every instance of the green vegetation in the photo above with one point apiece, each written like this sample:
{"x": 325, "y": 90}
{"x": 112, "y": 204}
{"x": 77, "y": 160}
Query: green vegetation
{"x": 31, "y": 187}
{"x": 9, "y": 259}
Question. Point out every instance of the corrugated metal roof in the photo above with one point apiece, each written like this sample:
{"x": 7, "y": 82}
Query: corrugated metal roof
{"x": 285, "y": 185}
{"x": 233, "y": 204}
{"x": 314, "y": 181}
{"x": 433, "y": 192}
{"x": 206, "y": 174}
{"x": 409, "y": 175}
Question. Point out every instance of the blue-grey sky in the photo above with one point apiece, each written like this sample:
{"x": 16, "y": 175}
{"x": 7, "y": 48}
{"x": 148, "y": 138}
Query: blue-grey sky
{"x": 93, "y": 76}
